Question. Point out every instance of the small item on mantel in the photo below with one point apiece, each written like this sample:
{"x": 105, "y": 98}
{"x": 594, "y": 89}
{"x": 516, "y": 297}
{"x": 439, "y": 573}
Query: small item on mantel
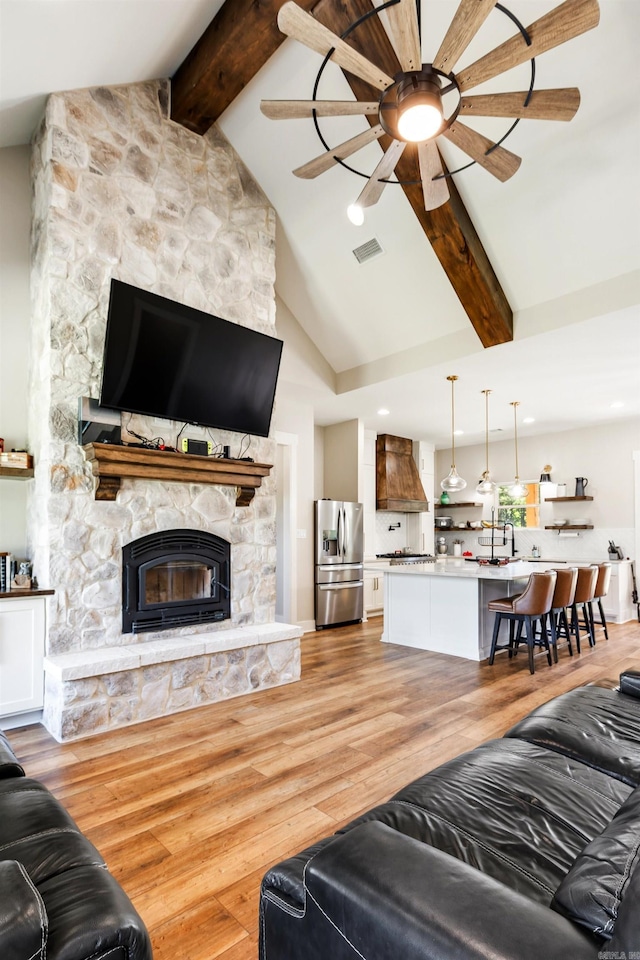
{"x": 21, "y": 582}
{"x": 467, "y": 553}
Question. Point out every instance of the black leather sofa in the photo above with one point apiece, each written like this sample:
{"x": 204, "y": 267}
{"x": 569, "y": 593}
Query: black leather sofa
{"x": 57, "y": 899}
{"x": 526, "y": 848}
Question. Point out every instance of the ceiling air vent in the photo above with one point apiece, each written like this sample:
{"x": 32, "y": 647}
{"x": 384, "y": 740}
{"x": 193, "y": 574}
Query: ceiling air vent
{"x": 367, "y": 251}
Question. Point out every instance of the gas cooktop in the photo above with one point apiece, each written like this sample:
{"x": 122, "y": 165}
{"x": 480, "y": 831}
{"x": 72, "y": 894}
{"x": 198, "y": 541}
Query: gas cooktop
{"x": 405, "y": 556}
{"x": 395, "y": 559}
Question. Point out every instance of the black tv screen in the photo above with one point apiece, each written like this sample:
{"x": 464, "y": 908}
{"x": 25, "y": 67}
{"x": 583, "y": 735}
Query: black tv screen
{"x": 165, "y": 359}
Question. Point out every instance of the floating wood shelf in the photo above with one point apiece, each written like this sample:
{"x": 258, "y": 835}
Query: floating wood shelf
{"x": 111, "y": 464}
{"x": 16, "y": 473}
{"x": 569, "y": 526}
{"x": 459, "y": 503}
{"x": 564, "y": 499}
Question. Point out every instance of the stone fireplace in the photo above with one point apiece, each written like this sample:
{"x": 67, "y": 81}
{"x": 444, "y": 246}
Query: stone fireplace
{"x": 121, "y": 191}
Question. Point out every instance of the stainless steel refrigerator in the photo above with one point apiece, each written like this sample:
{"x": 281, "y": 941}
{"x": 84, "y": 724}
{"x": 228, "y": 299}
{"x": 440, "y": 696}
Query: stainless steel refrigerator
{"x": 339, "y": 555}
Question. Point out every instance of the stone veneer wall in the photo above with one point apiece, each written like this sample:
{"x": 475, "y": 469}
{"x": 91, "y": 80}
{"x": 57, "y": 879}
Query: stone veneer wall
{"x": 121, "y": 191}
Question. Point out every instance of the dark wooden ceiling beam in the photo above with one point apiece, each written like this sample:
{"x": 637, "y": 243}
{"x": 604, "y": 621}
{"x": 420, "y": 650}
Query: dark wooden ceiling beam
{"x": 238, "y": 41}
{"x": 242, "y": 37}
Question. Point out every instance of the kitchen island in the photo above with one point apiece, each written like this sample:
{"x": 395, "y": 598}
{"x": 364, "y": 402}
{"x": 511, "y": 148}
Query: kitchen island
{"x": 442, "y": 605}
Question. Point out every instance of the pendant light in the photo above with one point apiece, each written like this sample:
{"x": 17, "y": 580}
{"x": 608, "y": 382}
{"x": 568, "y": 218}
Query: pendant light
{"x": 516, "y": 489}
{"x": 485, "y": 483}
{"x": 453, "y": 483}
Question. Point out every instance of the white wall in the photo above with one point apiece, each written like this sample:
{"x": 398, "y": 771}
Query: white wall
{"x": 343, "y": 444}
{"x": 603, "y": 454}
{"x": 15, "y": 218}
{"x": 297, "y": 419}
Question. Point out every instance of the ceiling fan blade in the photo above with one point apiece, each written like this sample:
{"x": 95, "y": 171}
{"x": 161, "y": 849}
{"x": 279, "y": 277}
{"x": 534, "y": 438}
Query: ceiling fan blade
{"x": 294, "y": 22}
{"x": 401, "y": 24}
{"x": 500, "y": 162}
{"x": 436, "y": 192}
{"x": 543, "y": 105}
{"x": 298, "y": 109}
{"x": 468, "y": 19}
{"x": 326, "y": 160}
{"x": 569, "y": 20}
{"x": 374, "y": 186}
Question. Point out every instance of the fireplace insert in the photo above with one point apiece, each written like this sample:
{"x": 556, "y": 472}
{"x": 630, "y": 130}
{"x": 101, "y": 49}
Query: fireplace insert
{"x": 175, "y": 578}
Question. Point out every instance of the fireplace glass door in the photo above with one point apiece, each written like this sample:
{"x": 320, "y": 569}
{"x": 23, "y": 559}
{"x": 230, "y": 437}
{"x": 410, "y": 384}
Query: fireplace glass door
{"x": 177, "y": 580}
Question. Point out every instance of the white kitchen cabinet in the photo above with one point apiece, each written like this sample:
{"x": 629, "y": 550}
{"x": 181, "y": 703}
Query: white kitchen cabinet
{"x": 22, "y": 640}
{"x": 617, "y": 604}
{"x": 374, "y": 589}
{"x": 368, "y": 474}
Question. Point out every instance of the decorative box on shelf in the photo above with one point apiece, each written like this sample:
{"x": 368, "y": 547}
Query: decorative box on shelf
{"x": 16, "y": 458}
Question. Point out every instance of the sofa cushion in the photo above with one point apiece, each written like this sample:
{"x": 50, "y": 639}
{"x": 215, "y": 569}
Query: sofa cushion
{"x": 598, "y": 882}
{"x": 23, "y": 918}
{"x": 36, "y": 830}
{"x": 515, "y": 811}
{"x": 9, "y": 766}
{"x": 596, "y": 725}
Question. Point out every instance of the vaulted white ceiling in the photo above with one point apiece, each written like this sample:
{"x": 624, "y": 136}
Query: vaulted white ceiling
{"x": 563, "y": 234}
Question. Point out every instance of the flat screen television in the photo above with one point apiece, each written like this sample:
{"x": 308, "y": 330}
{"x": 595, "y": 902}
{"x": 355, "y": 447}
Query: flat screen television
{"x": 165, "y": 359}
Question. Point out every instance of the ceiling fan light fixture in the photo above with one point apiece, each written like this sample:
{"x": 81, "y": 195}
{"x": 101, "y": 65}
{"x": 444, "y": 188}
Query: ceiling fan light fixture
{"x": 355, "y": 213}
{"x": 419, "y": 107}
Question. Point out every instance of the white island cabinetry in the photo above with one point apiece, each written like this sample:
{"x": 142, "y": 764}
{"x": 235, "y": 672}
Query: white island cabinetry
{"x": 22, "y": 642}
{"x": 442, "y": 605}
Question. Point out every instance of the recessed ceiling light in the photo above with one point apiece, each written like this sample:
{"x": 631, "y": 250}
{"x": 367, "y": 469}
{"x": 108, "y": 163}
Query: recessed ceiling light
{"x": 458, "y": 433}
{"x": 383, "y": 412}
{"x": 617, "y": 405}
{"x": 529, "y": 420}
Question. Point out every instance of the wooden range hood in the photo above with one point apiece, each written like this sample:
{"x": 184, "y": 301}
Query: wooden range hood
{"x": 398, "y": 485}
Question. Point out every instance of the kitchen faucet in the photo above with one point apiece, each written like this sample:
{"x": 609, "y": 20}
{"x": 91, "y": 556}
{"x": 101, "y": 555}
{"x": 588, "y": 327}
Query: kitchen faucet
{"x": 513, "y": 537}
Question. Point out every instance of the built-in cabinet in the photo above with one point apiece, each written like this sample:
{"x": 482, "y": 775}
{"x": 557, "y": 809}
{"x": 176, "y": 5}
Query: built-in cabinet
{"x": 618, "y": 605}
{"x": 374, "y": 588}
{"x": 22, "y": 645}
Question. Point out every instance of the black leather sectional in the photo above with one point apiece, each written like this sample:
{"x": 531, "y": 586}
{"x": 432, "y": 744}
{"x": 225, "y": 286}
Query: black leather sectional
{"x": 526, "y": 848}
{"x": 57, "y": 899}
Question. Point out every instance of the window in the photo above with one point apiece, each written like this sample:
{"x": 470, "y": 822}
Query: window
{"x": 521, "y": 511}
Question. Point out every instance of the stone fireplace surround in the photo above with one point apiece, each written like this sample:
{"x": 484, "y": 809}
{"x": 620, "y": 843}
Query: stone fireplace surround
{"x": 121, "y": 191}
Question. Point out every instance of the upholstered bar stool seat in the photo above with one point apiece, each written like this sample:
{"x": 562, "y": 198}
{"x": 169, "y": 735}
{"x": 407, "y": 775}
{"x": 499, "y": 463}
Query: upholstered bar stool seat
{"x": 526, "y": 609}
{"x": 563, "y": 597}
{"x": 584, "y": 595}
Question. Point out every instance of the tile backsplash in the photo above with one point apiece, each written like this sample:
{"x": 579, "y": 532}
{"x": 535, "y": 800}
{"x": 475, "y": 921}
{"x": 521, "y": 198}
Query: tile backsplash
{"x": 389, "y": 540}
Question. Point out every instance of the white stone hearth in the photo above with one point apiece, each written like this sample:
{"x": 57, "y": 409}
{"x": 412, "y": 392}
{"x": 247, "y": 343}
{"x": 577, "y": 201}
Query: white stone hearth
{"x": 96, "y": 690}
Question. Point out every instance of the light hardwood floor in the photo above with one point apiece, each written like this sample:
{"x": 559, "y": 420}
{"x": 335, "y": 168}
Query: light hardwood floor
{"x": 190, "y": 810}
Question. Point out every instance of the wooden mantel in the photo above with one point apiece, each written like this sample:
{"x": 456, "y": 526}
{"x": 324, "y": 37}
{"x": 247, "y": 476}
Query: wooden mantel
{"x": 111, "y": 464}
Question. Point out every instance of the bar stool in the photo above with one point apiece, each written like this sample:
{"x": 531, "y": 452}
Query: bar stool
{"x": 601, "y": 590}
{"x": 563, "y": 597}
{"x": 525, "y": 609}
{"x": 585, "y": 592}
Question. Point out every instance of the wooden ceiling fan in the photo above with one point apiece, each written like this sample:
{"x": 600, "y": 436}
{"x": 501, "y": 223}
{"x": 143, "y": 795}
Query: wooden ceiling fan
{"x": 424, "y": 101}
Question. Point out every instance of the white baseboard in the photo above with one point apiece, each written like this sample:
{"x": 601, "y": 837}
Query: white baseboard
{"x": 307, "y": 626}
{"x": 21, "y": 720}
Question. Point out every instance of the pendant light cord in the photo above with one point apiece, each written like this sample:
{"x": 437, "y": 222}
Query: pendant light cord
{"x": 453, "y": 444}
{"x": 486, "y": 428}
{"x": 515, "y": 404}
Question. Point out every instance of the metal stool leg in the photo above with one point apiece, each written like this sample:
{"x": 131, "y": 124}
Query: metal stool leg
{"x": 530, "y": 638}
{"x": 554, "y": 635}
{"x": 603, "y": 619}
{"x": 494, "y": 640}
